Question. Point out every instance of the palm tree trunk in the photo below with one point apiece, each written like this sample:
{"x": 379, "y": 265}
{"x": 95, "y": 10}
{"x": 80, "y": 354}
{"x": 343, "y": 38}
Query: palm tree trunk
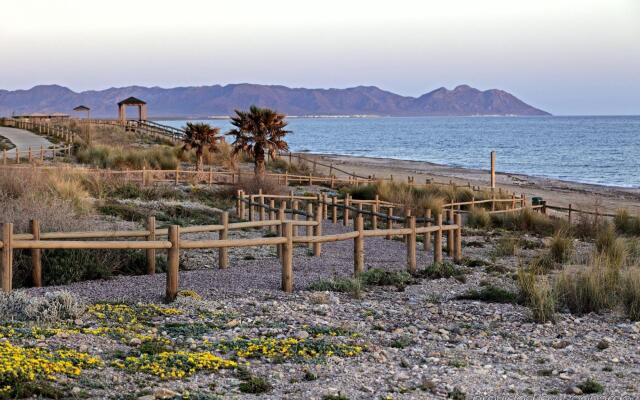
{"x": 260, "y": 168}
{"x": 199, "y": 160}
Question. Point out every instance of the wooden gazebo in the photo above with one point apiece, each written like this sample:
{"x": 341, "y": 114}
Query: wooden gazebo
{"x": 83, "y": 108}
{"x": 132, "y": 102}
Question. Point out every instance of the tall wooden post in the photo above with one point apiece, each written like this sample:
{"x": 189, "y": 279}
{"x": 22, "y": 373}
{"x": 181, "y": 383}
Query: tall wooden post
{"x": 570, "y": 214}
{"x": 309, "y": 228}
{"x": 426, "y": 242}
{"x": 389, "y": 221}
{"x": 7, "y": 257}
{"x": 223, "y": 256}
{"x": 450, "y": 240}
{"x": 358, "y": 247}
{"x": 272, "y": 214}
{"x": 173, "y": 261}
{"x": 36, "y": 260}
{"x": 411, "y": 246}
{"x": 287, "y": 258}
{"x": 294, "y": 216}
{"x": 493, "y": 169}
{"x": 345, "y": 212}
{"x": 437, "y": 251}
{"x": 151, "y": 253}
{"x": 458, "y": 253}
{"x": 317, "y": 230}
{"x": 281, "y": 218}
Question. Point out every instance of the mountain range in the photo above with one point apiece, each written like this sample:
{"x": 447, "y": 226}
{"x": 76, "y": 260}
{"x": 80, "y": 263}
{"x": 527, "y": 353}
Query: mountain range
{"x": 217, "y": 100}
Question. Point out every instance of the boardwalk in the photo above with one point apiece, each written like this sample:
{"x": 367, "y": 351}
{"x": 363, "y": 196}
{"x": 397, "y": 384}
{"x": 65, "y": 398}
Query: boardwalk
{"x": 23, "y": 139}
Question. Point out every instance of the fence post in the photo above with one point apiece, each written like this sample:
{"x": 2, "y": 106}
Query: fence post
{"x": 261, "y": 206}
{"x": 7, "y": 256}
{"x": 317, "y": 231}
{"x": 358, "y": 247}
{"x": 17, "y": 156}
{"x": 437, "y": 251}
{"x": 334, "y": 209}
{"x": 177, "y": 174}
{"x": 294, "y": 216}
{"x": 287, "y": 258}
{"x": 309, "y": 228}
{"x": 151, "y": 253}
{"x": 493, "y": 169}
{"x": 272, "y": 214}
{"x": 173, "y": 260}
{"x": 569, "y": 214}
{"x": 427, "y": 236}
{"x": 325, "y": 206}
{"x": 41, "y": 153}
{"x": 223, "y": 256}
{"x": 389, "y": 221}
{"x": 4, "y": 156}
{"x": 345, "y": 212}
{"x": 411, "y": 246}
{"x": 450, "y": 239}
{"x": 238, "y": 203}
{"x": 375, "y": 209}
{"x": 281, "y": 218}
{"x": 458, "y": 254}
{"x": 36, "y": 260}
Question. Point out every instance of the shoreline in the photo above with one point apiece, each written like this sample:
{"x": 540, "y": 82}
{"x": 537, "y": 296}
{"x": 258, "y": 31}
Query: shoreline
{"x": 557, "y": 192}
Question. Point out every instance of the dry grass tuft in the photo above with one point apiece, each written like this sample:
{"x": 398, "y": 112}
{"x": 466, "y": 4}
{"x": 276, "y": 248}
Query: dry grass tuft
{"x": 538, "y": 295}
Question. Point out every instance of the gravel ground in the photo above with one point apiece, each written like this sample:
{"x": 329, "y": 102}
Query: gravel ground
{"x": 261, "y": 274}
{"x": 420, "y": 343}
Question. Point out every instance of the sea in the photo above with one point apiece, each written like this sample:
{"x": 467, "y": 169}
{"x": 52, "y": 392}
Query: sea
{"x": 602, "y": 150}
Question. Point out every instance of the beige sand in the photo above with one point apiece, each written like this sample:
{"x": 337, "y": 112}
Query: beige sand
{"x": 555, "y": 192}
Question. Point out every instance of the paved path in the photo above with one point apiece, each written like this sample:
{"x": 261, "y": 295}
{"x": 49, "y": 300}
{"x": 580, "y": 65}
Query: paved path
{"x": 23, "y": 139}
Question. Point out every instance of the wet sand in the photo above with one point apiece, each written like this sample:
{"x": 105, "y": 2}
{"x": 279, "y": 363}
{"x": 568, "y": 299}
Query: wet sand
{"x": 556, "y": 192}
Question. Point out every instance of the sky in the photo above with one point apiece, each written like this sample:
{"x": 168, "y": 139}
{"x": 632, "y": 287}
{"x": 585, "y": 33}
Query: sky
{"x": 564, "y": 56}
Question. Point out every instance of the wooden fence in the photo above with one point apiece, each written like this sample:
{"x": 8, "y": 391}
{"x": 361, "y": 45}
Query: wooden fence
{"x": 314, "y": 211}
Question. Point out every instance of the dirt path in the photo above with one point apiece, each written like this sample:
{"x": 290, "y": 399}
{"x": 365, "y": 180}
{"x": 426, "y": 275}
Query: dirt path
{"x": 23, "y": 139}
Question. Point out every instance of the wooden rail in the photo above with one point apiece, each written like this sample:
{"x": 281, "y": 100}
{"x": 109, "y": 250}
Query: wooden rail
{"x": 271, "y": 217}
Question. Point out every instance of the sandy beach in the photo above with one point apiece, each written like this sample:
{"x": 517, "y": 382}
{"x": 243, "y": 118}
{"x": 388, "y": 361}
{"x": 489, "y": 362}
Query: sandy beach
{"x": 556, "y": 192}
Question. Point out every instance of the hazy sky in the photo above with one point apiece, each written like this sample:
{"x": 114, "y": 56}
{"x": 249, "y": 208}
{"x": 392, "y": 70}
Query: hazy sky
{"x": 564, "y": 56}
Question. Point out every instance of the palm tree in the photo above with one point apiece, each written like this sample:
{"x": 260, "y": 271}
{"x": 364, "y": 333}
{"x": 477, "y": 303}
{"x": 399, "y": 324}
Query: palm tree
{"x": 201, "y": 137}
{"x": 258, "y": 131}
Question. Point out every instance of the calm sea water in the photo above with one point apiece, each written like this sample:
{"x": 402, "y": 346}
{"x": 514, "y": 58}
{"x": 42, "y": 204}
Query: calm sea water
{"x": 599, "y": 150}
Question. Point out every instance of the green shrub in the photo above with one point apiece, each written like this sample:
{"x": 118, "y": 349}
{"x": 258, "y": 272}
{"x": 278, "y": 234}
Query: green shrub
{"x": 506, "y": 246}
{"x": 255, "y": 385}
{"x": 592, "y": 289}
{"x": 343, "y": 285}
{"x": 538, "y": 295}
{"x": 561, "y": 247}
{"x": 379, "y": 277}
{"x": 443, "y": 270}
{"x": 52, "y": 307}
{"x": 630, "y": 295}
{"x": 527, "y": 220}
{"x": 479, "y": 218}
{"x": 591, "y": 386}
{"x": 490, "y": 294}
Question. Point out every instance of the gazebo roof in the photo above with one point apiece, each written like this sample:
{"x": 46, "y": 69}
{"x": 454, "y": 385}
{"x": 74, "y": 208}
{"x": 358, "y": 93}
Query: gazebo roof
{"x": 131, "y": 100}
{"x": 81, "y": 108}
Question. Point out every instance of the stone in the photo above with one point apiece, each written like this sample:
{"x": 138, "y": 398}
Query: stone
{"x": 302, "y": 334}
{"x": 135, "y": 342}
{"x": 164, "y": 393}
{"x": 574, "y": 390}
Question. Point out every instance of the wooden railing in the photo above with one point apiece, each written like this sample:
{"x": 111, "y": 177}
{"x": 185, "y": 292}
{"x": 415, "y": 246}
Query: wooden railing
{"x": 274, "y": 218}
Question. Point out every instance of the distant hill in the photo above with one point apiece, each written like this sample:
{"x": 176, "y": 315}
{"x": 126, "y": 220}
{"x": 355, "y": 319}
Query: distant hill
{"x": 203, "y": 101}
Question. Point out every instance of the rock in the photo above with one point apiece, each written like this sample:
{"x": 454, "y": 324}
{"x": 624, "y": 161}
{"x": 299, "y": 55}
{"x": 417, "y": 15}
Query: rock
{"x": 574, "y": 390}
{"x": 302, "y": 334}
{"x": 83, "y": 348}
{"x": 147, "y": 397}
{"x": 561, "y": 344}
{"x": 135, "y": 342}
{"x": 233, "y": 323}
{"x": 164, "y": 393}
{"x": 319, "y": 298}
{"x": 603, "y": 344}
{"x": 76, "y": 390}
